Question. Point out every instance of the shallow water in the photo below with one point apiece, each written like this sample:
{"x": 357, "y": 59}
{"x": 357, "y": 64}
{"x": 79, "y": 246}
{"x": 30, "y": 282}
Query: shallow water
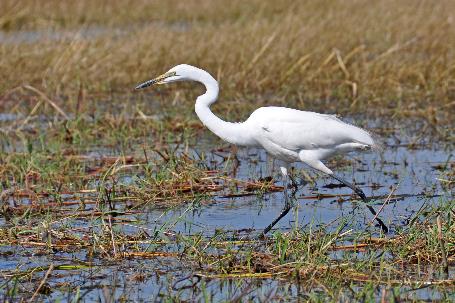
{"x": 411, "y": 175}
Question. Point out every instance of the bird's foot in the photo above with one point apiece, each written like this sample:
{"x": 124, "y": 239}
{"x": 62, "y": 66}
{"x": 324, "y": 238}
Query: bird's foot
{"x": 362, "y": 195}
{"x": 283, "y": 213}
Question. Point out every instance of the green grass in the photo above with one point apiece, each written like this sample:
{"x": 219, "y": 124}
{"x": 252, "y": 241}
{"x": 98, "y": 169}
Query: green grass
{"x": 411, "y": 259}
{"x": 86, "y": 157}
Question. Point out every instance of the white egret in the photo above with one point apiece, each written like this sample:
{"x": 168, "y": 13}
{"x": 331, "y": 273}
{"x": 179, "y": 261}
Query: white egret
{"x": 287, "y": 134}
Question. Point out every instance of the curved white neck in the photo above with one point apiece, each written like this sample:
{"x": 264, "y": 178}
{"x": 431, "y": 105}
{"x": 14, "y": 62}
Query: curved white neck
{"x": 235, "y": 133}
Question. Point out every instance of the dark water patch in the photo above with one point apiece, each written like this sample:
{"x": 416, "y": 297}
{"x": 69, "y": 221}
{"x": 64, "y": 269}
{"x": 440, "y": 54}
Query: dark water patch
{"x": 405, "y": 183}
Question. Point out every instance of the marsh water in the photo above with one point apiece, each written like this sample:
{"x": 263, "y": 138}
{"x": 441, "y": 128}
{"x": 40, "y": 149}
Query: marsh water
{"x": 98, "y": 233}
{"x": 408, "y": 175}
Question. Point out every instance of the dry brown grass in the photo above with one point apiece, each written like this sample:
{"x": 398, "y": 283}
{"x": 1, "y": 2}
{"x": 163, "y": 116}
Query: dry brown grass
{"x": 383, "y": 57}
{"x": 82, "y": 59}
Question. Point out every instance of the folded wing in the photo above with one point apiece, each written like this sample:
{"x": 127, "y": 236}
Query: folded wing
{"x": 300, "y": 130}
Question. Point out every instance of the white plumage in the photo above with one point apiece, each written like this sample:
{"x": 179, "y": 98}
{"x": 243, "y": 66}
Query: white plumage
{"x": 292, "y": 135}
{"x": 287, "y": 134}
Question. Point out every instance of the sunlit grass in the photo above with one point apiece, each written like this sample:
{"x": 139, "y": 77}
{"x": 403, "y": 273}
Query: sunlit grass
{"x": 389, "y": 58}
{"x": 84, "y": 156}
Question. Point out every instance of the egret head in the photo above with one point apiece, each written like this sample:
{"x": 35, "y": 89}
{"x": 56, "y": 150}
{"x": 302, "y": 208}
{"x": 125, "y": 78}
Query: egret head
{"x": 177, "y": 73}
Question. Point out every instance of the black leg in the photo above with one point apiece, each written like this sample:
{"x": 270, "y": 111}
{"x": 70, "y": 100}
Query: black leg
{"x": 294, "y": 184}
{"x": 287, "y": 203}
{"x": 283, "y": 213}
{"x": 360, "y": 193}
{"x": 287, "y": 207}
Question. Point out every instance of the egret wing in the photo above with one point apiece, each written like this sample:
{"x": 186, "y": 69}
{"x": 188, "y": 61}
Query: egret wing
{"x": 296, "y": 130}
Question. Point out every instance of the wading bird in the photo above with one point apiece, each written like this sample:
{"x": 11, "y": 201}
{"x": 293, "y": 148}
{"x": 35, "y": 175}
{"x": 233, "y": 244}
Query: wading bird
{"x": 286, "y": 134}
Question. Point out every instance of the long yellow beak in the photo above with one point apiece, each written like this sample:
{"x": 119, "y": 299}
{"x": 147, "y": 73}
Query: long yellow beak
{"x": 157, "y": 80}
